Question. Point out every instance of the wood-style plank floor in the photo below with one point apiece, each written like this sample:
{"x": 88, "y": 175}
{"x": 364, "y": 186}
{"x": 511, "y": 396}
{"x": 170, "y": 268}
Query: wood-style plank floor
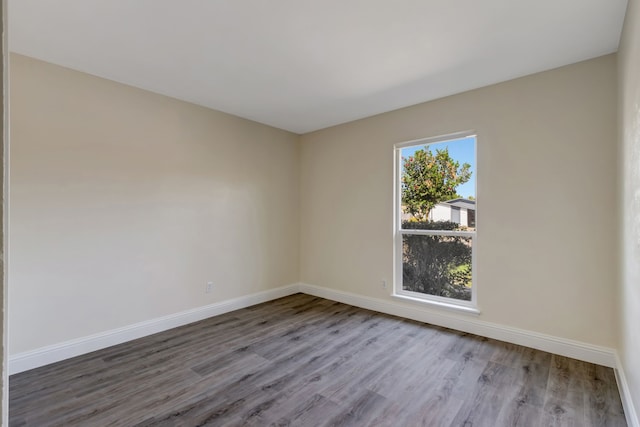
{"x": 306, "y": 361}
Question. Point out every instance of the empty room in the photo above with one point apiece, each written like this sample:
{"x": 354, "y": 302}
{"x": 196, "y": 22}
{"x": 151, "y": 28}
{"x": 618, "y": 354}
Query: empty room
{"x": 321, "y": 213}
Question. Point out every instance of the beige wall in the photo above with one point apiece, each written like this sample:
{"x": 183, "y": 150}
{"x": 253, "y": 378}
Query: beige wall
{"x": 544, "y": 140}
{"x": 629, "y": 111}
{"x": 125, "y": 203}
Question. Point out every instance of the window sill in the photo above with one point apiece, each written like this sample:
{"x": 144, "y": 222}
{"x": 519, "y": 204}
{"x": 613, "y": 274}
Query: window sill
{"x": 439, "y": 304}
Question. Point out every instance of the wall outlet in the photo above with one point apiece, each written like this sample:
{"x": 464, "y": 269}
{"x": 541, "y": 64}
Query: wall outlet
{"x": 209, "y": 287}
{"x": 383, "y": 284}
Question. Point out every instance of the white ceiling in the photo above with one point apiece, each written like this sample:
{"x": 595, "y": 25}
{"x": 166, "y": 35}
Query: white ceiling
{"x": 303, "y": 65}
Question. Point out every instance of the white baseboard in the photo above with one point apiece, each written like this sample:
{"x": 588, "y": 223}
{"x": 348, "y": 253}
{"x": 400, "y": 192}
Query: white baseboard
{"x": 569, "y": 348}
{"x": 564, "y": 347}
{"x": 578, "y": 350}
{"x": 625, "y": 394}
{"x": 54, "y": 353}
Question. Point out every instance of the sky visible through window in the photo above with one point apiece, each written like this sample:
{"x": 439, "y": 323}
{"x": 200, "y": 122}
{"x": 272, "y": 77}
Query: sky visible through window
{"x": 462, "y": 150}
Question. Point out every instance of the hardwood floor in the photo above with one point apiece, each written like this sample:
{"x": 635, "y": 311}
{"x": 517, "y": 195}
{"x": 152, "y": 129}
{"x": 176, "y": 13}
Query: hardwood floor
{"x": 306, "y": 361}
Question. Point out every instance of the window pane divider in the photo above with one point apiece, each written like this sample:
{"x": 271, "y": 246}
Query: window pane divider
{"x": 411, "y": 231}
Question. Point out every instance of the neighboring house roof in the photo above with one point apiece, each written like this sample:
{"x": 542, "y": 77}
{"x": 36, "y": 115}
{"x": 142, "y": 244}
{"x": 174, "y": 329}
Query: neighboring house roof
{"x": 461, "y": 203}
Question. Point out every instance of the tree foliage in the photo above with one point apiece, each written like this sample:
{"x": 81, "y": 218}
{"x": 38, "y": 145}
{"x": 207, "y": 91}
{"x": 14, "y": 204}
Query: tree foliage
{"x": 429, "y": 179}
{"x": 435, "y": 264}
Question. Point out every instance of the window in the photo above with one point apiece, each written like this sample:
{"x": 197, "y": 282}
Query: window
{"x": 435, "y": 220}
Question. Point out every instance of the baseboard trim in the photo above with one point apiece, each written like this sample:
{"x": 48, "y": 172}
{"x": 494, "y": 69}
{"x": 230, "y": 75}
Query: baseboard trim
{"x": 578, "y": 350}
{"x": 54, "y": 353}
{"x": 625, "y": 394}
{"x": 564, "y": 347}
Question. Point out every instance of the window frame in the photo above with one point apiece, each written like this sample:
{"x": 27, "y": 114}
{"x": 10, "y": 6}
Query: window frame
{"x": 398, "y": 231}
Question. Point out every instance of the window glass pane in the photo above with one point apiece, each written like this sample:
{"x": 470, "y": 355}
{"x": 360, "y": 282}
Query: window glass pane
{"x": 437, "y": 265}
{"x": 438, "y": 185}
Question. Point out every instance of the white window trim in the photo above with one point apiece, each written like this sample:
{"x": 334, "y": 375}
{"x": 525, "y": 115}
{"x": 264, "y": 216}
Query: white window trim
{"x": 470, "y": 307}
